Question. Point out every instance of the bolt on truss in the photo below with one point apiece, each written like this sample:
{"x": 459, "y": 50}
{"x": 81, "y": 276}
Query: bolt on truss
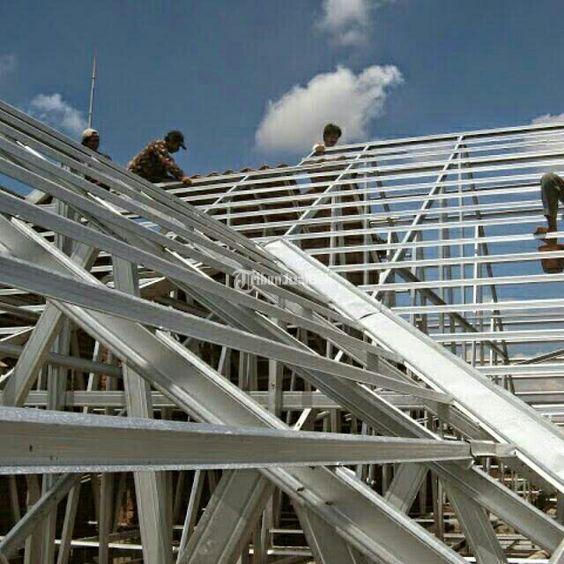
{"x": 341, "y": 361}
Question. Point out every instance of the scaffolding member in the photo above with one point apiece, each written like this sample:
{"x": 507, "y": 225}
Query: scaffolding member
{"x": 155, "y": 163}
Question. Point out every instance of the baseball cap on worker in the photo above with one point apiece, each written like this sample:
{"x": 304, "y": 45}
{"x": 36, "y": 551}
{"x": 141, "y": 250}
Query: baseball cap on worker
{"x": 176, "y": 135}
{"x": 89, "y": 132}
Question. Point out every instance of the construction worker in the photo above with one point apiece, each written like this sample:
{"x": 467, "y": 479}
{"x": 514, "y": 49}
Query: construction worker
{"x": 331, "y": 135}
{"x": 154, "y": 162}
{"x": 552, "y": 192}
{"x": 91, "y": 138}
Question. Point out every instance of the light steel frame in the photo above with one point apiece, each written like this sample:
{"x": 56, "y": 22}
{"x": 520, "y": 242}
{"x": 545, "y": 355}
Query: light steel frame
{"x": 142, "y": 275}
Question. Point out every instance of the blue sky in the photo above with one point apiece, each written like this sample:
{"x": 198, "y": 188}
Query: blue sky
{"x": 210, "y": 67}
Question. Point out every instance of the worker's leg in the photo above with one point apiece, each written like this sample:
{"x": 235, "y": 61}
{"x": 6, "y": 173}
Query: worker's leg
{"x": 552, "y": 191}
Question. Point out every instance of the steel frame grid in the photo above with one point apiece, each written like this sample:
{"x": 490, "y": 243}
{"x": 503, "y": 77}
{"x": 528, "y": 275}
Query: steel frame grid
{"x": 455, "y": 216}
{"x": 189, "y": 262}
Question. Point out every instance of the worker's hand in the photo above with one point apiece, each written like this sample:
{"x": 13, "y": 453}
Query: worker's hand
{"x": 319, "y": 149}
{"x": 186, "y": 181}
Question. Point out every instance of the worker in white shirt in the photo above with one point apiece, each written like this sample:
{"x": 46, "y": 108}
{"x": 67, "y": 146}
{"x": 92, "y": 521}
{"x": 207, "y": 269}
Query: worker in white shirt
{"x": 331, "y": 136}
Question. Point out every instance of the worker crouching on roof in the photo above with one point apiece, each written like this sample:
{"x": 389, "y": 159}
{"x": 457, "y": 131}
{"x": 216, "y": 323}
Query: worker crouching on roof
{"x": 154, "y": 162}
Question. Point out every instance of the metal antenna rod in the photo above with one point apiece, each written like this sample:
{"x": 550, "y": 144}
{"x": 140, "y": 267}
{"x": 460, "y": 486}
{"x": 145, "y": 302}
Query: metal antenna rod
{"x": 92, "y": 85}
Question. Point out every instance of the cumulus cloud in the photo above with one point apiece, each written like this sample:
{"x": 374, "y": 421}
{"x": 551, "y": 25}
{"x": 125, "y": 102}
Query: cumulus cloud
{"x": 295, "y": 121}
{"x": 55, "y": 111}
{"x": 8, "y": 63}
{"x": 348, "y": 21}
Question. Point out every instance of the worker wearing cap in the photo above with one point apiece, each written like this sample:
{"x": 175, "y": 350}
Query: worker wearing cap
{"x": 154, "y": 162}
{"x": 91, "y": 138}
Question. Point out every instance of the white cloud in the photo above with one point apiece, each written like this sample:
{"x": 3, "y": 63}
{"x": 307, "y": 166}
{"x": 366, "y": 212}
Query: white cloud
{"x": 8, "y": 63}
{"x": 53, "y": 110}
{"x": 548, "y": 118}
{"x": 549, "y": 145}
{"x": 295, "y": 121}
{"x": 348, "y": 21}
